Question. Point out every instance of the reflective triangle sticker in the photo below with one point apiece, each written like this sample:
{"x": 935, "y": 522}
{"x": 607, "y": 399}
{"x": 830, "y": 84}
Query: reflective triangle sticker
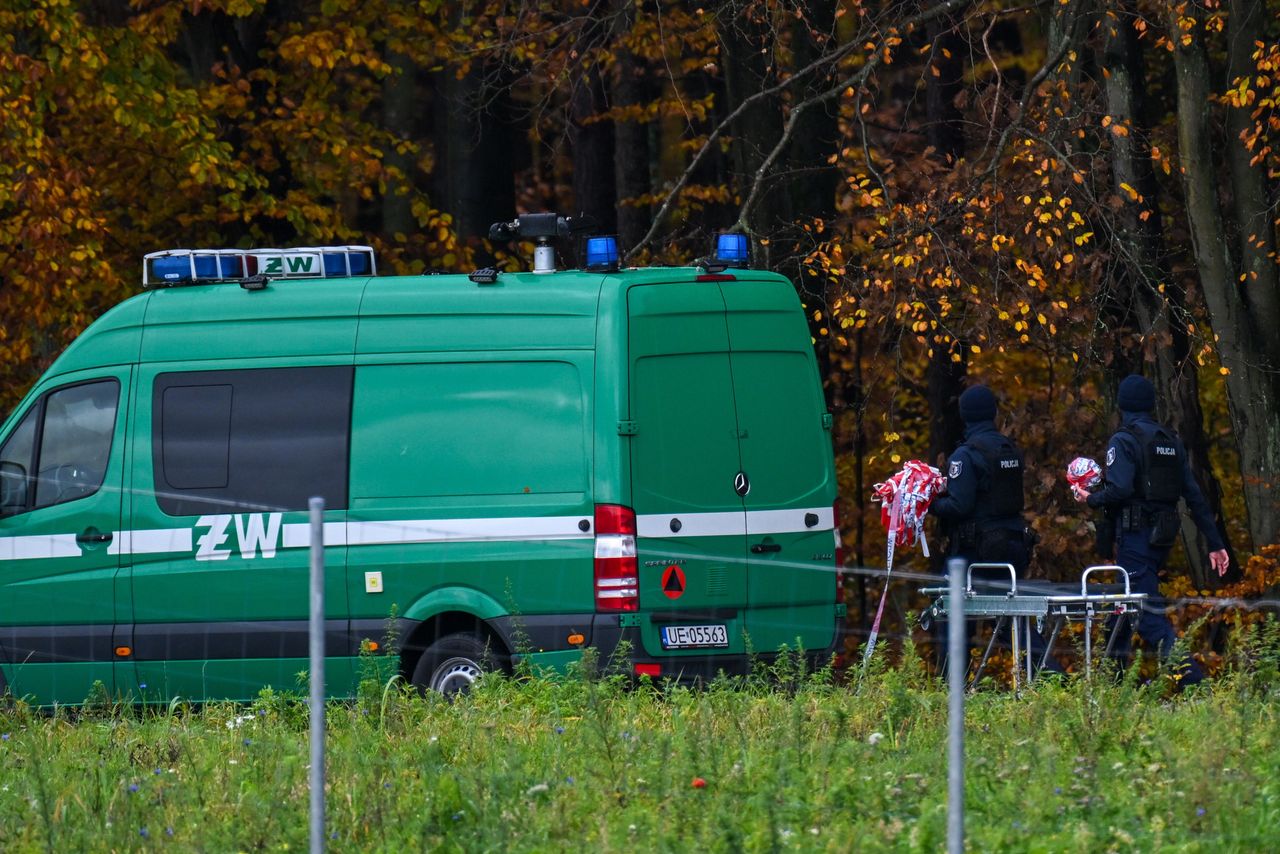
{"x": 673, "y": 582}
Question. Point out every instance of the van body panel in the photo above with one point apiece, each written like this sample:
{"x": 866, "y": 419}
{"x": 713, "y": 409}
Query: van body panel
{"x": 472, "y": 470}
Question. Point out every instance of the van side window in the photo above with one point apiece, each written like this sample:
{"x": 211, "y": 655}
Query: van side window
{"x": 266, "y": 439}
{"x": 16, "y": 462}
{"x": 61, "y": 447}
{"x": 75, "y": 443}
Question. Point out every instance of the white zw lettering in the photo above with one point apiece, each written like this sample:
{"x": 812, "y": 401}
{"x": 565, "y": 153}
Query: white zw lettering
{"x": 254, "y": 532}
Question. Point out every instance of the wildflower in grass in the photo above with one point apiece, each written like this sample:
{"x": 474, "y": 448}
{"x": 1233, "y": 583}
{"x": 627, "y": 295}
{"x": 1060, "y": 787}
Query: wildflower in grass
{"x": 457, "y": 816}
{"x": 569, "y": 780}
{"x": 133, "y": 787}
{"x": 4, "y": 737}
{"x": 168, "y": 831}
{"x": 1057, "y": 790}
{"x": 559, "y": 731}
{"x": 142, "y": 831}
{"x": 1200, "y": 811}
{"x": 699, "y": 783}
{"x": 626, "y": 736}
{"x": 156, "y": 771}
{"x": 248, "y": 742}
{"x": 875, "y": 738}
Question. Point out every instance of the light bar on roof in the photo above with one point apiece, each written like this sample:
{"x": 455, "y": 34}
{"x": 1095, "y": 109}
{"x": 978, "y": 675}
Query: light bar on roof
{"x": 172, "y": 267}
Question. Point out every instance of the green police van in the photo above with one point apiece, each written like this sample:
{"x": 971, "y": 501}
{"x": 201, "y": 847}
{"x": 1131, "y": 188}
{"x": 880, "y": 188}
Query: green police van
{"x": 513, "y": 465}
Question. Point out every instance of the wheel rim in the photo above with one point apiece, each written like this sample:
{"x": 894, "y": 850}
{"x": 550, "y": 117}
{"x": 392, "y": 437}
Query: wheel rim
{"x": 455, "y": 675}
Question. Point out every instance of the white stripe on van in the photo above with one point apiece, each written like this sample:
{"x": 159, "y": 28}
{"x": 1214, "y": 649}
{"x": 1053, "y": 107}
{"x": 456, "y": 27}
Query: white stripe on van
{"x": 722, "y": 524}
{"x": 789, "y": 521}
{"x": 502, "y": 529}
{"x": 297, "y": 535}
{"x": 39, "y": 546}
{"x": 392, "y": 531}
{"x": 154, "y": 541}
{"x": 731, "y": 524}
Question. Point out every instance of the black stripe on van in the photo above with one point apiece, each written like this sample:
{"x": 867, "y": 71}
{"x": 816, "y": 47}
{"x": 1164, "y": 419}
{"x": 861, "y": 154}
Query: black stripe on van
{"x": 183, "y": 641}
{"x": 58, "y": 644}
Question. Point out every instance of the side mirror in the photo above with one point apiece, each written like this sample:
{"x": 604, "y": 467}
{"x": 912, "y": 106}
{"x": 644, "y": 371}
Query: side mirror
{"x": 13, "y": 489}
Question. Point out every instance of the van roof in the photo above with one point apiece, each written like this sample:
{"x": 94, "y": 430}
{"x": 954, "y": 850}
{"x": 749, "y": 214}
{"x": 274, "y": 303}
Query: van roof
{"x": 317, "y": 316}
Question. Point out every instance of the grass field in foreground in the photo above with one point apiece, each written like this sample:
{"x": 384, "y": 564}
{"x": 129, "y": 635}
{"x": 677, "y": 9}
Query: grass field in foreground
{"x": 584, "y": 765}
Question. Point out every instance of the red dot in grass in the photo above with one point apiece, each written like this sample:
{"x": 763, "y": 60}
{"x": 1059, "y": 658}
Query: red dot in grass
{"x": 699, "y": 783}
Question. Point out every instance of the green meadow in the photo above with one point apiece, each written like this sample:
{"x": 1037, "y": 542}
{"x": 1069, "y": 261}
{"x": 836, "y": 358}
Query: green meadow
{"x": 782, "y": 760}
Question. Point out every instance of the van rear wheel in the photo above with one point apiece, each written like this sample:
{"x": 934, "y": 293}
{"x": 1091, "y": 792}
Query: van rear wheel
{"x": 452, "y": 664}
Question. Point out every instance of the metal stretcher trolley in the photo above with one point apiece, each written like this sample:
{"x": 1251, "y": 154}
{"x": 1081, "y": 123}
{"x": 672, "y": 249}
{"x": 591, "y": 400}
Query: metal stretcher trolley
{"x": 1054, "y": 604}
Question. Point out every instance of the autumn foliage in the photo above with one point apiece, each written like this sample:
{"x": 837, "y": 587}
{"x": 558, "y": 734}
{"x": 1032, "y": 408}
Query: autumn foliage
{"x": 962, "y": 191}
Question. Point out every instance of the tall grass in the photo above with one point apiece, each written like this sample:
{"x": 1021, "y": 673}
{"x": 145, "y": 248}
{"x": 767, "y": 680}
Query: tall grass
{"x": 579, "y": 763}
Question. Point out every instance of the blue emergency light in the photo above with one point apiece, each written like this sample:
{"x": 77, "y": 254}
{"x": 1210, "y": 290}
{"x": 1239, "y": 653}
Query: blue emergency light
{"x": 172, "y": 267}
{"x": 602, "y": 253}
{"x": 733, "y": 250}
{"x": 197, "y": 266}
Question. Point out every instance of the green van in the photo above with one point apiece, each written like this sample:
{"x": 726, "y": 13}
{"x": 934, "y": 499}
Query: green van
{"x": 513, "y": 465}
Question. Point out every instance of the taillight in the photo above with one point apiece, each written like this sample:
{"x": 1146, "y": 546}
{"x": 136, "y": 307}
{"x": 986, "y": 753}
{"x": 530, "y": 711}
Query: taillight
{"x": 617, "y": 579}
{"x": 835, "y": 517}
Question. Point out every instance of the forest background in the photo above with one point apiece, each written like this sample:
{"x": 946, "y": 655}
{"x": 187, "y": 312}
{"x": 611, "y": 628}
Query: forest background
{"x": 1042, "y": 196}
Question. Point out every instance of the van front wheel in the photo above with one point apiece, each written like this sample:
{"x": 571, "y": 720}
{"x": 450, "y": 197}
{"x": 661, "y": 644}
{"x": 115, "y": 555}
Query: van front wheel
{"x": 452, "y": 664}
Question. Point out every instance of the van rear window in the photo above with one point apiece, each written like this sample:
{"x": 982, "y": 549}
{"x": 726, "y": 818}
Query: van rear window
{"x": 266, "y": 438}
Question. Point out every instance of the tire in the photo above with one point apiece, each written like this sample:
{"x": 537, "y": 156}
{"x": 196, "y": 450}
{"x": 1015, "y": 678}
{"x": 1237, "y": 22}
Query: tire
{"x": 452, "y": 664}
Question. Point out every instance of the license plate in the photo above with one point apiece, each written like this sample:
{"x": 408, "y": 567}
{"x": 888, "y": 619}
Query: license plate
{"x": 694, "y": 637}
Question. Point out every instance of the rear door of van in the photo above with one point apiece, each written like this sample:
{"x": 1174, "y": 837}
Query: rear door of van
{"x": 787, "y": 459}
{"x": 690, "y": 521}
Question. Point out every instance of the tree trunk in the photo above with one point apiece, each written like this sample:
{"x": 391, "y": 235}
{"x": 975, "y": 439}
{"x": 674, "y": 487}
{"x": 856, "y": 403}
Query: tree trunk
{"x": 1252, "y": 397}
{"x": 747, "y": 44}
{"x": 399, "y": 97}
{"x": 944, "y": 377}
{"x": 1165, "y": 341}
{"x": 812, "y": 180}
{"x": 472, "y": 145}
{"x": 631, "y": 150}
{"x": 592, "y": 143}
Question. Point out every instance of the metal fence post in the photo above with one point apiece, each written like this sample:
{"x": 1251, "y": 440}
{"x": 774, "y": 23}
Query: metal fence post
{"x": 317, "y": 675}
{"x": 956, "y": 674}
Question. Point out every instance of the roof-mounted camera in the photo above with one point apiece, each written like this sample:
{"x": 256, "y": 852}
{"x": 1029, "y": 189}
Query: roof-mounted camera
{"x": 542, "y": 228}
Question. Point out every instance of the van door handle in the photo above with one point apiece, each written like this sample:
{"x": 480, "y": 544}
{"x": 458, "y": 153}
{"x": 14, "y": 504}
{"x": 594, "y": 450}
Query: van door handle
{"x": 93, "y": 536}
{"x": 761, "y": 548}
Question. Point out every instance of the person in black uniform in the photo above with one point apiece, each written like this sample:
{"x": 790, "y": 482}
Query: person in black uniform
{"x": 1147, "y": 471}
{"x": 981, "y": 510}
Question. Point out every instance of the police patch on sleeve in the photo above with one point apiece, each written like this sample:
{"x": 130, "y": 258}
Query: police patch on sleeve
{"x": 1111, "y": 455}
{"x": 956, "y": 467}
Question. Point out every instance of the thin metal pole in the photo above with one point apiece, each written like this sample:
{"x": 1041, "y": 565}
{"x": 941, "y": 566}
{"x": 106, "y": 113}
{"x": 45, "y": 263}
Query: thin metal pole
{"x": 955, "y": 677}
{"x": 317, "y": 675}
